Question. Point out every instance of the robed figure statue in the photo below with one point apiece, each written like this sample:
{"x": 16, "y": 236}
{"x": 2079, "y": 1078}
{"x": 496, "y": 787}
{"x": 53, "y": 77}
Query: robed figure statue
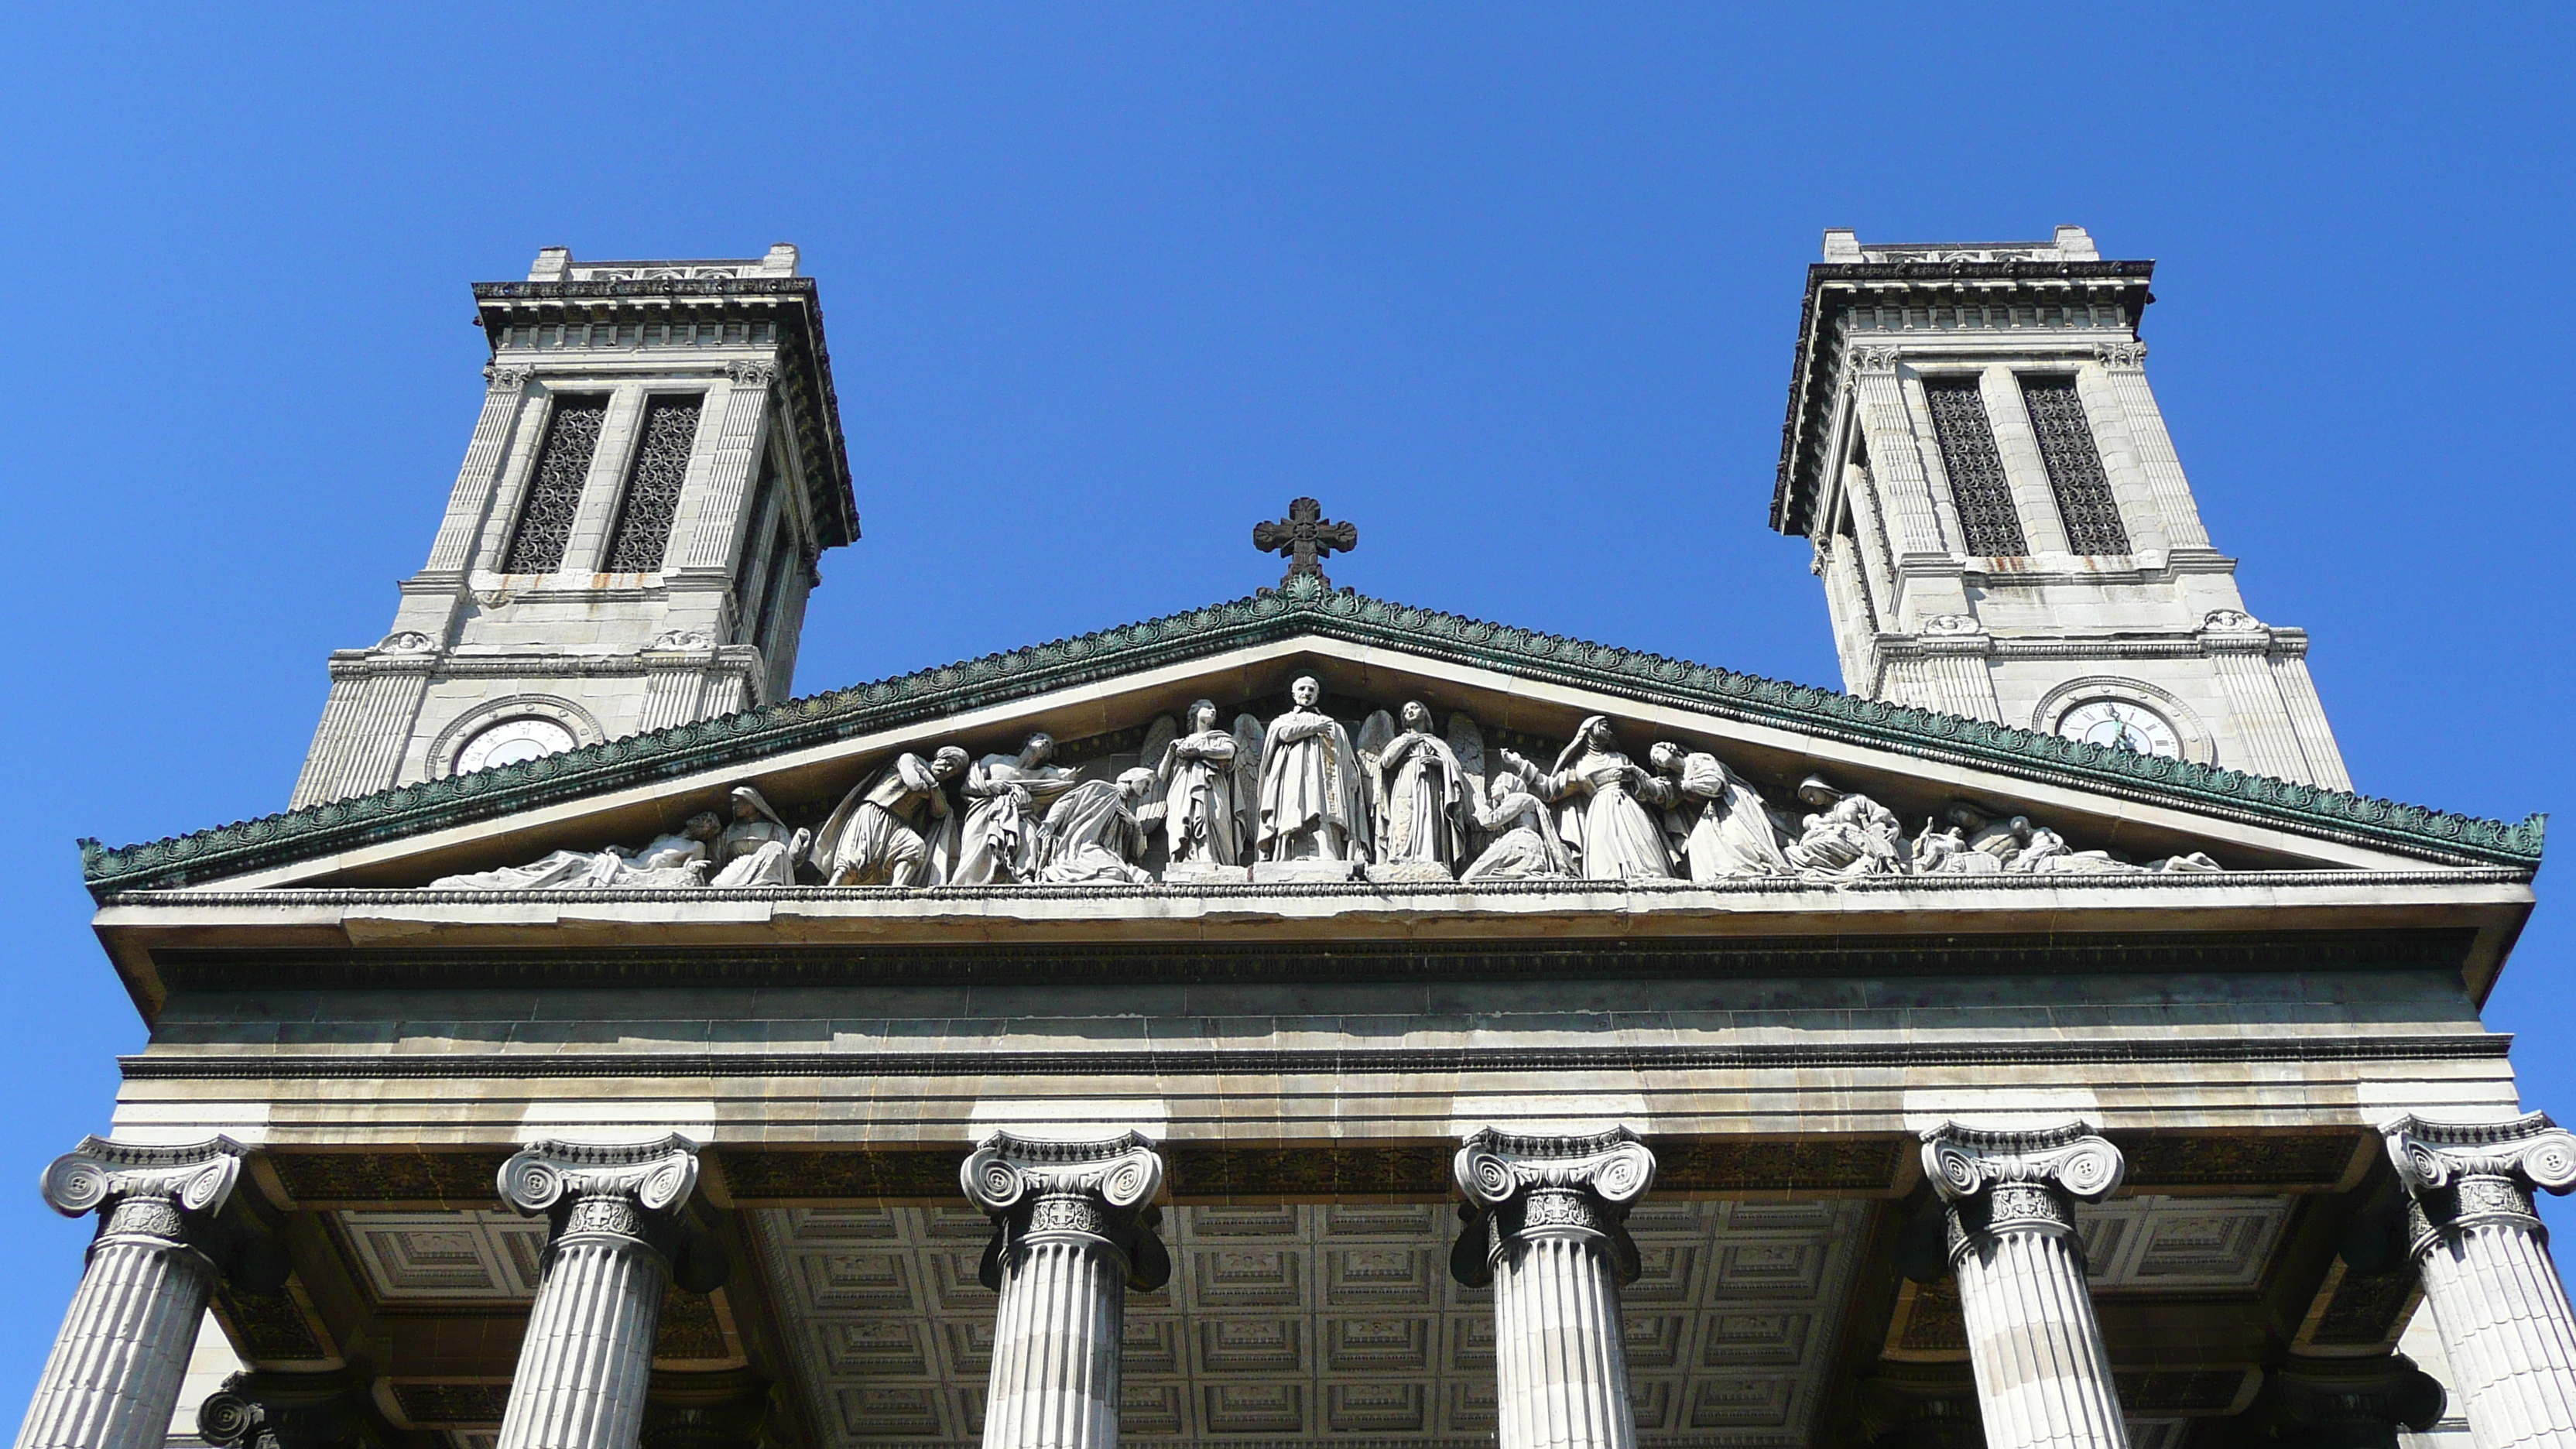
{"x": 1314, "y": 800}
{"x": 1202, "y": 804}
{"x": 1423, "y": 795}
{"x": 1604, "y": 819}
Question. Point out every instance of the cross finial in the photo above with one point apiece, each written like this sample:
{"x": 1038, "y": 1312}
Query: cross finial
{"x": 1305, "y": 538}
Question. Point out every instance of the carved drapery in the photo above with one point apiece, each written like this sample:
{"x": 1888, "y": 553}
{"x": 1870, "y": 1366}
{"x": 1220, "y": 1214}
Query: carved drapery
{"x": 618, "y": 1235}
{"x": 2496, "y": 1296}
{"x": 113, "y": 1379}
{"x": 1073, "y": 1230}
{"x": 1545, "y": 1223}
{"x": 2043, "y": 1376}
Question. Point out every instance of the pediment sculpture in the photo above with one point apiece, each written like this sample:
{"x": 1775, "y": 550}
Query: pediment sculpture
{"x": 1396, "y": 797}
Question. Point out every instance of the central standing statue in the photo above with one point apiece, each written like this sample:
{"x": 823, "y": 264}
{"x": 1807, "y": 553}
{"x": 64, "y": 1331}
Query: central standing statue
{"x": 1314, "y": 800}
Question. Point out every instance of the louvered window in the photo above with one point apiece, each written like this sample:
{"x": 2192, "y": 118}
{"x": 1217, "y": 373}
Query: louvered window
{"x": 2084, "y": 500}
{"x": 1978, "y": 488}
{"x": 653, "y": 483}
{"x": 554, "y": 496}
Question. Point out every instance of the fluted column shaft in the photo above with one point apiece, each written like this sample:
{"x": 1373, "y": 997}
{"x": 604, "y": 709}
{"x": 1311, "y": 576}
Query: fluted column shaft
{"x": 1073, "y": 1230}
{"x": 588, "y": 1353}
{"x": 2043, "y": 1375}
{"x": 112, "y": 1381}
{"x": 1545, "y": 1226}
{"x": 2496, "y": 1297}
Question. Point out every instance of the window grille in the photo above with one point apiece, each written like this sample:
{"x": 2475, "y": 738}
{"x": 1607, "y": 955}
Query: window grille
{"x": 1978, "y": 488}
{"x": 2084, "y": 500}
{"x": 554, "y": 496}
{"x": 653, "y": 486}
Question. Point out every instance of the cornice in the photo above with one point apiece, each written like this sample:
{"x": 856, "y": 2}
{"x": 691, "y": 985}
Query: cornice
{"x": 1411, "y": 1061}
{"x": 1303, "y": 608}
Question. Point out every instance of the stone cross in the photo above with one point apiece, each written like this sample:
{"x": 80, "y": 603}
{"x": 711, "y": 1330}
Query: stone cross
{"x": 1305, "y": 538}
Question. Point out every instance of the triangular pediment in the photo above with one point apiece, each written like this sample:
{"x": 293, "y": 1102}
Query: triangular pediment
{"x": 1102, "y": 694}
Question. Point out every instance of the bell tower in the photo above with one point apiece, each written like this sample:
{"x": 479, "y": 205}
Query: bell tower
{"x": 630, "y": 542}
{"x": 2001, "y": 523}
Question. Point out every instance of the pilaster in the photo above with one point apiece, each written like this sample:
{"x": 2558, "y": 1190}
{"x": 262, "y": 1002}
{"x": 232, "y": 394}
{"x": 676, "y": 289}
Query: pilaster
{"x": 471, "y": 500}
{"x": 1905, "y": 494}
{"x": 2124, "y": 365}
{"x": 1545, "y": 1224}
{"x": 617, "y": 1235}
{"x": 717, "y": 529}
{"x": 2043, "y": 1376}
{"x": 2496, "y": 1297}
{"x": 1073, "y": 1230}
{"x": 113, "y": 1379}
{"x": 2239, "y": 647}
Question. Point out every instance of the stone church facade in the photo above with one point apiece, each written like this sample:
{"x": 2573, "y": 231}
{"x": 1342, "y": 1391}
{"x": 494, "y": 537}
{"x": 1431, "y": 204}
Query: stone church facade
{"x": 1311, "y": 1020}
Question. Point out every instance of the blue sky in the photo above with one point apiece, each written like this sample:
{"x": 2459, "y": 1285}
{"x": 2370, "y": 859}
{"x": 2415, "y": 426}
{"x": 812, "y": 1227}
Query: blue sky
{"x": 1107, "y": 284}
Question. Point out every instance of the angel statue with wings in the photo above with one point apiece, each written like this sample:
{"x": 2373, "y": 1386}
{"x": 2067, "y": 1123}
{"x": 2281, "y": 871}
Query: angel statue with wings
{"x": 1314, "y": 799}
{"x": 1421, "y": 789}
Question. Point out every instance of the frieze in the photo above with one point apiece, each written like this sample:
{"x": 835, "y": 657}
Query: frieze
{"x": 449, "y": 1179}
{"x": 272, "y": 1328}
{"x": 1264, "y": 963}
{"x": 2282, "y": 1160}
{"x": 1302, "y": 607}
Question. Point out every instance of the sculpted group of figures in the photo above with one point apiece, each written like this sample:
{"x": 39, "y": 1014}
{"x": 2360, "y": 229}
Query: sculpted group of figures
{"x": 1299, "y": 799}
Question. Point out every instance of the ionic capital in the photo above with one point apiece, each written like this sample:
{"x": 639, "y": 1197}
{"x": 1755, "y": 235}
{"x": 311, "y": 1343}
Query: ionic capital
{"x": 628, "y": 1193}
{"x": 1100, "y": 1190}
{"x": 752, "y": 374}
{"x": 2121, "y": 356}
{"x": 2462, "y": 1174}
{"x": 1874, "y": 359}
{"x": 505, "y": 379}
{"x": 2017, "y": 1181}
{"x": 166, "y": 1196}
{"x": 1520, "y": 1187}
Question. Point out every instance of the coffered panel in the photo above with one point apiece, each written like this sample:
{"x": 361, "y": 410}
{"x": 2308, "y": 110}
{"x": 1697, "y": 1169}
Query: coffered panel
{"x": 1308, "y": 1323}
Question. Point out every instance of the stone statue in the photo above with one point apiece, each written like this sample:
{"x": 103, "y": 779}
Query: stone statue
{"x": 1202, "y": 808}
{"x": 1314, "y": 798}
{"x": 1850, "y": 834}
{"x": 1525, "y": 845}
{"x": 758, "y": 849}
{"x": 1096, "y": 831}
{"x": 1605, "y": 821}
{"x": 1974, "y": 844}
{"x": 1421, "y": 795}
{"x": 896, "y": 829}
{"x": 1720, "y": 828}
{"x": 672, "y": 860}
{"x": 1006, "y": 795}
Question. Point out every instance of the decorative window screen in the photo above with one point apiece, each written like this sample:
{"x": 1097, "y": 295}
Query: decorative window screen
{"x": 563, "y": 462}
{"x": 2084, "y": 500}
{"x": 773, "y": 593}
{"x": 653, "y": 485}
{"x": 1978, "y": 487}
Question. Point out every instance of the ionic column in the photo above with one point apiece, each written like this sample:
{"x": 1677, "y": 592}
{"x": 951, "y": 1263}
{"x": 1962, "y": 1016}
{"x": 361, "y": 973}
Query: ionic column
{"x": 617, "y": 1234}
{"x": 113, "y": 1379}
{"x": 1545, "y": 1225}
{"x": 2043, "y": 1377}
{"x": 2484, "y": 1257}
{"x": 1073, "y": 1230}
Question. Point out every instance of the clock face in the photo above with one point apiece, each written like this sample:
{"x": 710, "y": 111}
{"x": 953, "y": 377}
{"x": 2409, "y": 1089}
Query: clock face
{"x": 512, "y": 741}
{"x": 2121, "y": 725}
